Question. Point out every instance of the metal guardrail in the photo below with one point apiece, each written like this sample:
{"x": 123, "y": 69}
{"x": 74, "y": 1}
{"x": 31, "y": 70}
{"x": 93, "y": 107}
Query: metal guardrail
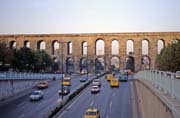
{"x": 26, "y": 75}
{"x": 165, "y": 81}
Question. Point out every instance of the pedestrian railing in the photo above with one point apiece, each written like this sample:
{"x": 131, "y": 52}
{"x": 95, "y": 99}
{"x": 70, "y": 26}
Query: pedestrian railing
{"x": 165, "y": 81}
{"x": 28, "y": 75}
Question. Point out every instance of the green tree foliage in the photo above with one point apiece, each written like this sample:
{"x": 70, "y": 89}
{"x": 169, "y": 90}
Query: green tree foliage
{"x": 6, "y": 56}
{"x": 24, "y": 59}
{"x": 169, "y": 58}
{"x": 43, "y": 61}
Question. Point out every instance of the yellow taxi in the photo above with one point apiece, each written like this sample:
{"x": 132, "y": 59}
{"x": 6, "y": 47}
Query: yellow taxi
{"x": 43, "y": 84}
{"x": 114, "y": 82}
{"x": 66, "y": 81}
{"x": 92, "y": 113}
{"x": 109, "y": 77}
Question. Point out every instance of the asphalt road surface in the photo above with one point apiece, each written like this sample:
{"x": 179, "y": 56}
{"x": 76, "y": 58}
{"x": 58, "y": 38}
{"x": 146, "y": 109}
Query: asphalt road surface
{"x": 111, "y": 102}
{"x": 23, "y": 108}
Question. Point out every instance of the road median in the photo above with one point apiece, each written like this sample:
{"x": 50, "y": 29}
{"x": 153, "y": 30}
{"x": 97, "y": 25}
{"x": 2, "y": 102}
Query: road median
{"x": 71, "y": 97}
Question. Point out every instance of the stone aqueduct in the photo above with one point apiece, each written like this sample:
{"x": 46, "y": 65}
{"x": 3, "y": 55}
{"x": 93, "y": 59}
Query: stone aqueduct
{"x": 76, "y": 41}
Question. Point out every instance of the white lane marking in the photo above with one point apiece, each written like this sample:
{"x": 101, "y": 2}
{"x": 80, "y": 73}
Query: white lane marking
{"x": 72, "y": 104}
{"x": 92, "y": 103}
{"x": 21, "y": 104}
{"x": 76, "y": 100}
{"x": 21, "y": 116}
{"x": 107, "y": 116}
{"x": 110, "y": 105}
{"x": 114, "y": 94}
{"x": 62, "y": 114}
{"x": 45, "y": 101}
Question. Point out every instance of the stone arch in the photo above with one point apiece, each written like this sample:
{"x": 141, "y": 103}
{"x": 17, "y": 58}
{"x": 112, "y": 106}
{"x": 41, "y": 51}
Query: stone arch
{"x": 145, "y": 46}
{"x": 84, "y": 48}
{"x": 115, "y": 63}
{"x": 129, "y": 46}
{"x": 69, "y": 65}
{"x": 41, "y": 45}
{"x": 69, "y": 48}
{"x": 114, "y": 47}
{"x": 100, "y": 47}
{"x": 27, "y": 43}
{"x": 55, "y": 47}
{"x": 145, "y": 62}
{"x": 160, "y": 45}
{"x": 12, "y": 45}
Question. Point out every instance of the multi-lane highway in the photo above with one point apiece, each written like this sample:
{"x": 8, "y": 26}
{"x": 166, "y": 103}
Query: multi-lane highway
{"x": 111, "y": 102}
{"x": 21, "y": 107}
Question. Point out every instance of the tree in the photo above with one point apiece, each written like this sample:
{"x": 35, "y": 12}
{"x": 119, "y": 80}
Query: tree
{"x": 6, "y": 56}
{"x": 24, "y": 59}
{"x": 43, "y": 61}
{"x": 169, "y": 58}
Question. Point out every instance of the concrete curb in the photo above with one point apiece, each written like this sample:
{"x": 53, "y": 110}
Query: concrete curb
{"x": 171, "y": 104}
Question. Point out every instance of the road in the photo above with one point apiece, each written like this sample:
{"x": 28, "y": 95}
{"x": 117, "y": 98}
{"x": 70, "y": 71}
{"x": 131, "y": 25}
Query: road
{"x": 23, "y": 108}
{"x": 111, "y": 102}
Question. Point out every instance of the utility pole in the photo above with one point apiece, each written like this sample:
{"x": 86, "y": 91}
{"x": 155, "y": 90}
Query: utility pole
{"x": 87, "y": 62}
{"x": 62, "y": 65}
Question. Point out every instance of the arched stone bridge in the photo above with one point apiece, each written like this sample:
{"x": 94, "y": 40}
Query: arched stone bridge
{"x": 103, "y": 46}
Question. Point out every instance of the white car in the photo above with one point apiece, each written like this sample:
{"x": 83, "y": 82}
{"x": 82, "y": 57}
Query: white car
{"x": 177, "y": 74}
{"x": 36, "y": 95}
{"x": 97, "y": 82}
{"x": 95, "y": 89}
{"x": 84, "y": 72}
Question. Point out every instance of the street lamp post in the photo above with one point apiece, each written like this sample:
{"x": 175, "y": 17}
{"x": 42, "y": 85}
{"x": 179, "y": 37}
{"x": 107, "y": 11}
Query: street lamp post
{"x": 62, "y": 66}
{"x": 87, "y": 62}
{"x": 87, "y": 65}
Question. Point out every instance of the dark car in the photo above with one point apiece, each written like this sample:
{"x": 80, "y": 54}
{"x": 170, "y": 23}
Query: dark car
{"x": 123, "y": 77}
{"x": 83, "y": 79}
{"x": 65, "y": 90}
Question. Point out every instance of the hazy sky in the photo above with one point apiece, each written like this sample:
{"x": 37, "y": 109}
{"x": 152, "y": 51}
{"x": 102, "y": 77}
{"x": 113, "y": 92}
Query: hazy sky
{"x": 88, "y": 16}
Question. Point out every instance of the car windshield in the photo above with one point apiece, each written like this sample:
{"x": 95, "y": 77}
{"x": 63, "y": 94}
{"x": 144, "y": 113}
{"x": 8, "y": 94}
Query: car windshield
{"x": 66, "y": 80}
{"x": 36, "y": 93}
{"x": 91, "y": 113}
{"x": 65, "y": 87}
{"x": 178, "y": 72}
{"x": 43, "y": 83}
{"x": 114, "y": 80}
{"x": 96, "y": 80}
{"x": 95, "y": 87}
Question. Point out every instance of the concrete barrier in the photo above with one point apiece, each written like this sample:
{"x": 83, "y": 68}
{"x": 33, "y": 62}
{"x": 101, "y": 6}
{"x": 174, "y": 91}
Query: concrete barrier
{"x": 150, "y": 102}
